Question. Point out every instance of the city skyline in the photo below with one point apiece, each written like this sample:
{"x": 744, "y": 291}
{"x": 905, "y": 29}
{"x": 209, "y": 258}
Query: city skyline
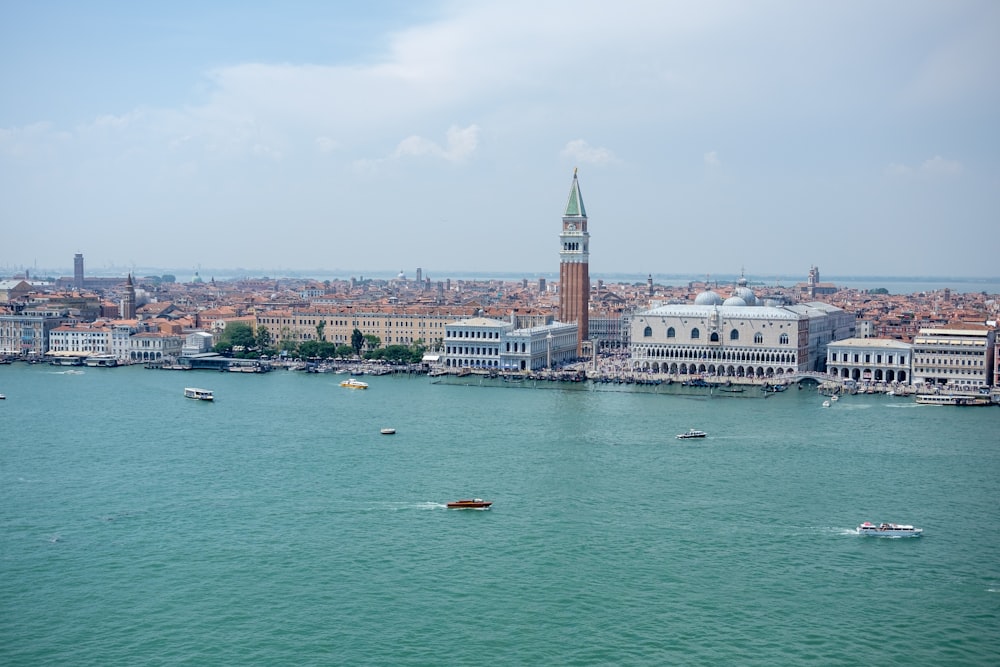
{"x": 708, "y": 138}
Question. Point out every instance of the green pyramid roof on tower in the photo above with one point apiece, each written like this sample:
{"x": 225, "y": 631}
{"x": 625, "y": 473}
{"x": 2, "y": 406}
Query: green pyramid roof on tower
{"x": 574, "y": 207}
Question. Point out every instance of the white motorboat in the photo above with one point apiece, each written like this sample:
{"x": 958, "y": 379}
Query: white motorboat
{"x": 354, "y": 384}
{"x": 199, "y": 394}
{"x": 692, "y": 433}
{"x": 889, "y": 530}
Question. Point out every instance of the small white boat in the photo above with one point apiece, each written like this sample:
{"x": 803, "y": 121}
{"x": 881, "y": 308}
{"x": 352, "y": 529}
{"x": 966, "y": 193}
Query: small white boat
{"x": 834, "y": 398}
{"x": 692, "y": 433}
{"x": 826, "y": 404}
{"x": 199, "y": 394}
{"x": 388, "y": 431}
{"x": 2, "y": 397}
{"x": 354, "y": 384}
{"x": 889, "y": 530}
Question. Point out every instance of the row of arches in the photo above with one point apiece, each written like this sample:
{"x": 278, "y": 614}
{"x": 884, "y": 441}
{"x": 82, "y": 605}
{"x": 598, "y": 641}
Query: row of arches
{"x": 145, "y": 356}
{"x": 877, "y": 375}
{"x": 732, "y": 370}
{"x": 715, "y": 354}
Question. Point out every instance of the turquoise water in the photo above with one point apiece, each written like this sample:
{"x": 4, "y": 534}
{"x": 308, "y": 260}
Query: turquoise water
{"x": 278, "y": 527}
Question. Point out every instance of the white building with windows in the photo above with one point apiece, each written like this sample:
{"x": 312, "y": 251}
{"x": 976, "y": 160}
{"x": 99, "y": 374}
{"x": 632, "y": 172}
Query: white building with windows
{"x": 485, "y": 343}
{"x": 535, "y": 348}
{"x": 121, "y": 335}
{"x": 27, "y": 334}
{"x": 959, "y": 356}
{"x": 80, "y": 339}
{"x": 474, "y": 342}
{"x": 736, "y": 337}
{"x": 870, "y": 360}
{"x": 155, "y": 346}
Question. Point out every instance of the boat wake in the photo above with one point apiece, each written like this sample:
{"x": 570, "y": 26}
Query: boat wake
{"x": 396, "y": 507}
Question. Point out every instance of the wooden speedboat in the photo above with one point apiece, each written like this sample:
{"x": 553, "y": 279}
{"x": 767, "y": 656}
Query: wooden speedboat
{"x": 472, "y": 504}
{"x": 354, "y": 384}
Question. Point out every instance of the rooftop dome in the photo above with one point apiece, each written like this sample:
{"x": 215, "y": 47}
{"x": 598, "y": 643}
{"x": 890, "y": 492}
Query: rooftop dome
{"x": 746, "y": 294}
{"x": 734, "y": 301}
{"x": 708, "y": 298}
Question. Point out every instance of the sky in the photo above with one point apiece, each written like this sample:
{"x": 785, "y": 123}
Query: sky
{"x": 710, "y": 137}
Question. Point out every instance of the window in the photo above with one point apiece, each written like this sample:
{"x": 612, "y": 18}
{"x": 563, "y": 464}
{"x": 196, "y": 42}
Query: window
{"x": 783, "y": 339}
{"x": 758, "y": 338}
{"x": 647, "y": 332}
{"x": 714, "y": 337}
{"x": 734, "y": 335}
{"x": 671, "y": 333}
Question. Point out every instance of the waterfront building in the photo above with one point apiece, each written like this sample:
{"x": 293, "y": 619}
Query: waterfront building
{"x": 474, "y": 342}
{"x": 197, "y": 342}
{"x": 155, "y": 346}
{"x": 574, "y": 264}
{"x": 121, "y": 339}
{"x": 494, "y": 344}
{"x": 959, "y": 356}
{"x": 996, "y": 367}
{"x": 735, "y": 337}
{"x": 81, "y": 340}
{"x": 538, "y": 347}
{"x": 26, "y": 334}
{"x": 397, "y": 325}
{"x": 870, "y": 360}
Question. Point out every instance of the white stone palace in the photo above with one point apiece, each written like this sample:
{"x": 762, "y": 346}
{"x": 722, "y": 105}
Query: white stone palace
{"x": 737, "y": 336}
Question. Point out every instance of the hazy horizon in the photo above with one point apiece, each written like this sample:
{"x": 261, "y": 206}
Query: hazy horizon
{"x": 710, "y": 137}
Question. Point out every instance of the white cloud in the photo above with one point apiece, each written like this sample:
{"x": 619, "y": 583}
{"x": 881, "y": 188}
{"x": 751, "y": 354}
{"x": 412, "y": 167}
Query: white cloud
{"x": 936, "y": 166}
{"x": 326, "y": 144}
{"x": 712, "y": 159}
{"x": 580, "y": 151}
{"x": 460, "y": 143}
{"x": 940, "y": 165}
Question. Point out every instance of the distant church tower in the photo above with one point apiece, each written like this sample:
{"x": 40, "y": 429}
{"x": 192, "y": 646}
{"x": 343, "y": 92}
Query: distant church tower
{"x": 78, "y": 270}
{"x": 127, "y": 311}
{"x": 574, "y": 265}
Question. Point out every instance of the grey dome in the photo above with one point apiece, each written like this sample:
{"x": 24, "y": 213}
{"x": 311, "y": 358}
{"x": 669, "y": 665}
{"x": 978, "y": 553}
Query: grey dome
{"x": 708, "y": 298}
{"x": 746, "y": 294}
{"x": 734, "y": 301}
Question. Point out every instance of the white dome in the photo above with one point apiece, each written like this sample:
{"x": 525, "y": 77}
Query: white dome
{"x": 734, "y": 301}
{"x": 746, "y": 294}
{"x": 708, "y": 298}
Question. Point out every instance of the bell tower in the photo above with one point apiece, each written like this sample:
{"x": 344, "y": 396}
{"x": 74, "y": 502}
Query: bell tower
{"x": 127, "y": 309}
{"x": 574, "y": 265}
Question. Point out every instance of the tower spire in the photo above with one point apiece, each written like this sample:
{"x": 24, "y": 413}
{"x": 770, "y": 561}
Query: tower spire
{"x": 574, "y": 206}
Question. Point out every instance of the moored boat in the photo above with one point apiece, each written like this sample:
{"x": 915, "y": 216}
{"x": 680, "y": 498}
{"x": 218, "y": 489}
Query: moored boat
{"x": 952, "y": 399}
{"x": 889, "y": 530}
{"x": 354, "y": 384}
{"x": 471, "y": 504}
{"x": 692, "y": 433}
{"x": 199, "y": 394}
{"x": 388, "y": 431}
